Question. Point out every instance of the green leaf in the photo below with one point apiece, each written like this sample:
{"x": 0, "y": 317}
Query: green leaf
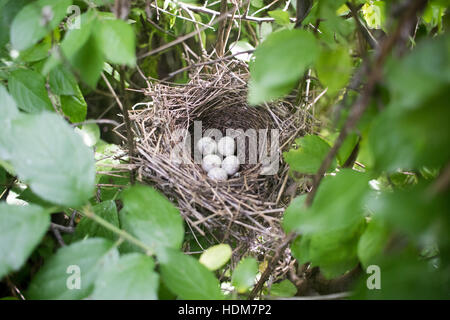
{"x": 62, "y": 81}
{"x": 279, "y": 63}
{"x": 90, "y": 132}
{"x": 413, "y": 212}
{"x": 75, "y": 107}
{"x": 21, "y": 229}
{"x": 334, "y": 68}
{"x": 373, "y": 242}
{"x": 374, "y": 14}
{"x": 338, "y": 204}
{"x": 132, "y": 277}
{"x": 116, "y": 39}
{"x": 308, "y": 157}
{"x": 283, "y": 289}
{"x": 152, "y": 218}
{"x": 88, "y": 61}
{"x": 106, "y": 210}
{"x": 89, "y": 257}
{"x": 281, "y": 17}
{"x": 80, "y": 49}
{"x": 75, "y": 39}
{"x": 347, "y": 147}
{"x": 244, "y": 275}
{"x": 28, "y": 89}
{"x": 188, "y": 278}
{"x": 29, "y": 26}
{"x": 405, "y": 277}
{"x": 335, "y": 252}
{"x": 417, "y": 115}
{"x": 331, "y": 227}
{"x": 48, "y": 155}
{"x": 8, "y": 107}
{"x": 216, "y": 256}
{"x": 416, "y": 78}
{"x": 8, "y": 10}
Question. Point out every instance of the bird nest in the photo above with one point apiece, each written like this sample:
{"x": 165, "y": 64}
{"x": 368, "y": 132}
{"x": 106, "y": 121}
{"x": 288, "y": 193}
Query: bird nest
{"x": 247, "y": 208}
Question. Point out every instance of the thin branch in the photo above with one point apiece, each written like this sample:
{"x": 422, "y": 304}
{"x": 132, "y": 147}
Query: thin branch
{"x": 172, "y": 74}
{"x": 271, "y": 265}
{"x": 229, "y": 15}
{"x": 183, "y": 38}
{"x": 99, "y": 121}
{"x": 57, "y": 235}
{"x": 362, "y": 29}
{"x": 126, "y": 118}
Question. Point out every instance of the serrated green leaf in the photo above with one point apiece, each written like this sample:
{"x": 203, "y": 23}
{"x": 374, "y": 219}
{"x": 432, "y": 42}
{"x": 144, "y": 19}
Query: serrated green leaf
{"x": 279, "y": 63}
{"x": 21, "y": 229}
{"x": 132, "y": 277}
{"x": 332, "y": 208}
{"x": 244, "y": 275}
{"x": 334, "y": 69}
{"x": 216, "y": 256}
{"x": 62, "y": 81}
{"x": 281, "y": 17}
{"x": 308, "y": 157}
{"x": 8, "y": 107}
{"x": 106, "y": 210}
{"x": 28, "y": 89}
{"x": 116, "y": 39}
{"x": 372, "y": 242}
{"x": 75, "y": 107}
{"x": 88, "y": 61}
{"x": 335, "y": 252}
{"x": 331, "y": 227}
{"x": 8, "y": 11}
{"x": 48, "y": 155}
{"x": 152, "y": 218}
{"x": 188, "y": 278}
{"x": 88, "y": 256}
{"x": 30, "y": 25}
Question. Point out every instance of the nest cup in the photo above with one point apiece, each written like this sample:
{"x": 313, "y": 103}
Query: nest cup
{"x": 248, "y": 206}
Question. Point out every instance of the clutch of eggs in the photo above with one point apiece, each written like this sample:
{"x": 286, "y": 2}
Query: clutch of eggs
{"x": 217, "y": 169}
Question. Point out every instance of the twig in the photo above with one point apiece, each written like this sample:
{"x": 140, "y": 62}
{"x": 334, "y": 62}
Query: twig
{"x": 63, "y": 228}
{"x": 334, "y": 296}
{"x": 361, "y": 27}
{"x": 90, "y": 121}
{"x": 182, "y": 38}
{"x": 126, "y": 118}
{"x": 172, "y": 74}
{"x": 303, "y": 8}
{"x": 271, "y": 265}
{"x": 57, "y": 235}
{"x": 230, "y": 15}
{"x": 442, "y": 182}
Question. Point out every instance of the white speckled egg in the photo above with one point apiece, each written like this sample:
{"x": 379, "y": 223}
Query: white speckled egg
{"x": 211, "y": 161}
{"x": 226, "y": 146}
{"x": 231, "y": 165}
{"x": 218, "y": 174}
{"x": 207, "y": 145}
